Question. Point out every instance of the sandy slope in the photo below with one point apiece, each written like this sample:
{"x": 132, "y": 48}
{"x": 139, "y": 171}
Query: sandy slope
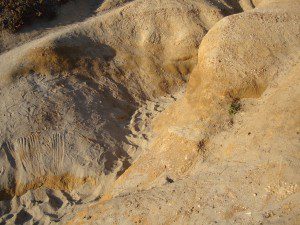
{"x": 72, "y": 116}
{"x": 226, "y": 169}
{"x": 88, "y": 136}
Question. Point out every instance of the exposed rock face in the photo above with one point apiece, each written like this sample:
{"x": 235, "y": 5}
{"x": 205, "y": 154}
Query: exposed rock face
{"x": 84, "y": 116}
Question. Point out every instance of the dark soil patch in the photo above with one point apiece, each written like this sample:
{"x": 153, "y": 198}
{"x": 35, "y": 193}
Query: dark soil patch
{"x": 14, "y": 14}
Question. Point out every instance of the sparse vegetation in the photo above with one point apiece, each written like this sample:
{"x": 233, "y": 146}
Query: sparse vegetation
{"x": 235, "y": 106}
{"x": 14, "y": 14}
{"x": 169, "y": 180}
{"x": 202, "y": 148}
{"x": 201, "y": 144}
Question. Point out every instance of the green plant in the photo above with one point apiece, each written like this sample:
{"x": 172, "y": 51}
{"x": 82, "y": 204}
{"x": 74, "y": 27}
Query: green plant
{"x": 235, "y": 106}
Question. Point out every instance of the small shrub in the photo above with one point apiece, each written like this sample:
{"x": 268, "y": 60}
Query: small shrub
{"x": 14, "y": 14}
{"x": 235, "y": 107}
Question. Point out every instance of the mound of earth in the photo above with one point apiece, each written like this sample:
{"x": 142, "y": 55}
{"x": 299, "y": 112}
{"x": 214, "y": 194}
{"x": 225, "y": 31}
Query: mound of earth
{"x": 96, "y": 125}
{"x": 70, "y": 100}
{"x": 206, "y": 165}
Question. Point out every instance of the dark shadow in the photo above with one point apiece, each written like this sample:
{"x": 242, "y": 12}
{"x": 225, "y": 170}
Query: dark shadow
{"x": 232, "y": 6}
{"x": 252, "y": 4}
{"x": 54, "y": 217}
{"x": 89, "y": 81}
{"x": 55, "y": 202}
{"x": 71, "y": 12}
{"x": 80, "y": 51}
{"x": 9, "y": 156}
{"x": 5, "y": 208}
{"x": 4, "y": 195}
{"x": 9, "y": 216}
{"x": 23, "y": 217}
{"x": 169, "y": 180}
{"x": 70, "y": 198}
{"x": 65, "y": 15}
{"x": 125, "y": 166}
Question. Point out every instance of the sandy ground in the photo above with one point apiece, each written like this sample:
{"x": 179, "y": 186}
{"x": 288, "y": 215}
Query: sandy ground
{"x": 47, "y": 206}
{"x": 126, "y": 113}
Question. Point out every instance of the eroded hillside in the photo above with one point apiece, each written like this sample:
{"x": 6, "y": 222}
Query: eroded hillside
{"x": 96, "y": 125}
